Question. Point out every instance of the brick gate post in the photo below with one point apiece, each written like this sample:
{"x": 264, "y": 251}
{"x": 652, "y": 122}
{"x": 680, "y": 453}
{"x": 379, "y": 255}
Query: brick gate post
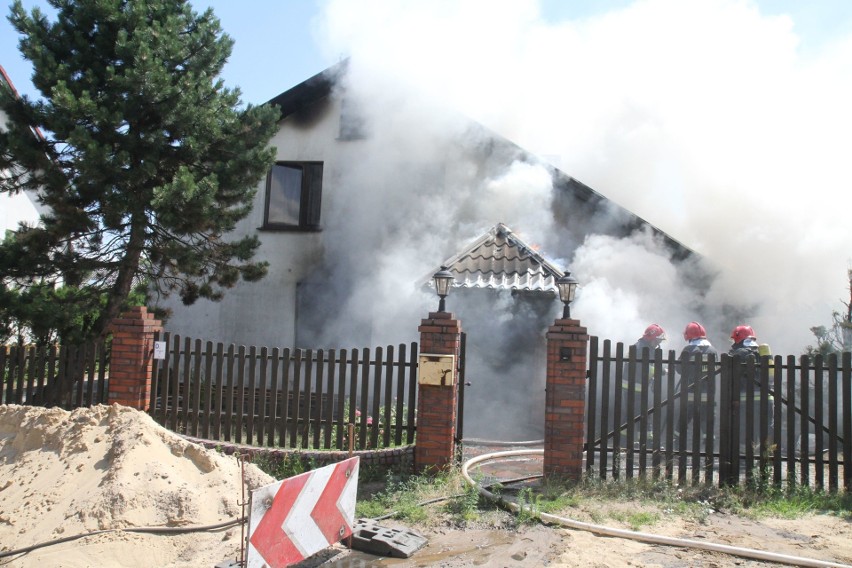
{"x": 132, "y": 358}
{"x": 564, "y": 421}
{"x": 440, "y": 334}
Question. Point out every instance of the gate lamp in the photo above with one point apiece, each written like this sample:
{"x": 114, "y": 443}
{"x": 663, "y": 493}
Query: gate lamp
{"x": 443, "y": 279}
{"x": 567, "y": 286}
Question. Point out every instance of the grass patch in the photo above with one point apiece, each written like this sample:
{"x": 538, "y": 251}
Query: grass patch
{"x": 424, "y": 499}
{"x": 635, "y": 503}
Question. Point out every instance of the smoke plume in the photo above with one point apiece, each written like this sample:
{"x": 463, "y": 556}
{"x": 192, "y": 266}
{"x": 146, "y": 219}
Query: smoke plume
{"x": 705, "y": 118}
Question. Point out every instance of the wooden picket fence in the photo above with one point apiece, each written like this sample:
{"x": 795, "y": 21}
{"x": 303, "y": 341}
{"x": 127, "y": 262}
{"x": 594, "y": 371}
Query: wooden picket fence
{"x": 642, "y": 422}
{"x": 67, "y": 376}
{"x": 288, "y": 398}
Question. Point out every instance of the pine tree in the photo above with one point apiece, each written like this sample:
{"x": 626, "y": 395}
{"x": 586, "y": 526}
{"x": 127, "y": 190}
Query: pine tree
{"x": 144, "y": 159}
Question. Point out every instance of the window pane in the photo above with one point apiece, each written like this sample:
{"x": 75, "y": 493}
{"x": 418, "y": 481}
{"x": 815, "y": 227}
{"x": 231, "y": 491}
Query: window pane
{"x": 285, "y": 195}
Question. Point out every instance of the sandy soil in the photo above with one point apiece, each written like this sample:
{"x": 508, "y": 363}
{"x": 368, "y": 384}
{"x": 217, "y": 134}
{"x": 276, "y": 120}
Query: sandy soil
{"x": 112, "y": 467}
{"x": 64, "y": 474}
{"x": 821, "y": 538}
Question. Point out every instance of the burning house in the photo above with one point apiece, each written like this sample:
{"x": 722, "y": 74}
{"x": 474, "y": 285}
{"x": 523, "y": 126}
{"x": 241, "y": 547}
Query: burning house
{"x": 374, "y": 187}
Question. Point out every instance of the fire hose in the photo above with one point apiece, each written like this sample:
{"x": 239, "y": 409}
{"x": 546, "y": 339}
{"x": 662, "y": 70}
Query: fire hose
{"x": 628, "y": 534}
{"x": 142, "y": 530}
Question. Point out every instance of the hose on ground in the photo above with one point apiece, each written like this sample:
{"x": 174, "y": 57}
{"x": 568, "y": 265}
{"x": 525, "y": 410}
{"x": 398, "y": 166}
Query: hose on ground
{"x": 144, "y": 530}
{"x": 628, "y": 534}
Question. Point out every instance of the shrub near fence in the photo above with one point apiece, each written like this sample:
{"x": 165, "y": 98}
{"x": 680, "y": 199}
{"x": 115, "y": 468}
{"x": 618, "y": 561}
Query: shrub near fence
{"x": 287, "y": 398}
{"x": 803, "y": 436}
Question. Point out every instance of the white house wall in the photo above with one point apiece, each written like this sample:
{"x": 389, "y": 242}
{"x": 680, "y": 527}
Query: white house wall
{"x": 15, "y": 209}
{"x": 264, "y": 313}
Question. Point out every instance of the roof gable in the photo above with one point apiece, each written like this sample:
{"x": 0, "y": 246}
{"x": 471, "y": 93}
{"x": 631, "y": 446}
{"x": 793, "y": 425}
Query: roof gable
{"x": 500, "y": 260}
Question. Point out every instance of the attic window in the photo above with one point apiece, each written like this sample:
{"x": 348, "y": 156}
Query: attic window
{"x": 293, "y": 196}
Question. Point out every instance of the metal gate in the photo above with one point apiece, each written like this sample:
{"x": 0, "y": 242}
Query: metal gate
{"x": 462, "y": 384}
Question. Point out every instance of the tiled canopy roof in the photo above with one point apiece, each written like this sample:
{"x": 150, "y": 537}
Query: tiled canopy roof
{"x": 500, "y": 260}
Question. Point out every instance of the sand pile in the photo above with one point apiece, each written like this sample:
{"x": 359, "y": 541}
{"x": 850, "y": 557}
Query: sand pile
{"x": 110, "y": 467}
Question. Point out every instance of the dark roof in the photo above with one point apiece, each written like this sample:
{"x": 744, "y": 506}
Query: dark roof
{"x": 310, "y": 90}
{"x": 500, "y": 260}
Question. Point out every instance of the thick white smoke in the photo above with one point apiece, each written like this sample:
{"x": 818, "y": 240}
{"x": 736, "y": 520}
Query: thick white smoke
{"x": 705, "y": 118}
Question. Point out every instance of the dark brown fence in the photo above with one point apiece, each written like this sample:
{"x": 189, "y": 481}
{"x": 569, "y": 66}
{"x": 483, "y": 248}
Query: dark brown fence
{"x": 67, "y": 376}
{"x": 289, "y": 398}
{"x": 777, "y": 420}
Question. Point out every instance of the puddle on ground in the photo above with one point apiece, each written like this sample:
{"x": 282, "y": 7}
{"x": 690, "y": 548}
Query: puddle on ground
{"x": 477, "y": 548}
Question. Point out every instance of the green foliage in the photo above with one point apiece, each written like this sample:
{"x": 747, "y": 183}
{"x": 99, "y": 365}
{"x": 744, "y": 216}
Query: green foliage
{"x": 464, "y": 507}
{"x": 529, "y": 505}
{"x": 283, "y": 466}
{"x": 146, "y": 160}
{"x": 407, "y": 498}
{"x": 838, "y": 337}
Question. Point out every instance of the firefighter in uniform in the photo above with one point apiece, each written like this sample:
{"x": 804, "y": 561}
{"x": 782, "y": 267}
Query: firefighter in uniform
{"x": 695, "y": 378}
{"x": 651, "y": 339}
{"x": 745, "y": 346}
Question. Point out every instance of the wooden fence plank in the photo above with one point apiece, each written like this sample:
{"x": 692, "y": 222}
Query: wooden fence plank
{"x": 846, "y": 381}
{"x": 329, "y": 417}
{"x": 819, "y": 439}
{"x": 260, "y": 388}
{"x": 833, "y": 405}
{"x": 5, "y": 361}
{"x": 176, "y": 402}
{"x": 230, "y": 390}
{"x": 209, "y": 387}
{"x": 286, "y": 368}
{"x": 20, "y": 374}
{"x": 35, "y": 359}
{"x": 192, "y": 382}
{"x": 592, "y": 404}
{"x": 605, "y": 382}
{"x": 365, "y": 393}
{"x": 790, "y": 414}
{"x": 305, "y": 396}
{"x": 399, "y": 413}
{"x": 343, "y": 419}
{"x": 777, "y": 418}
{"x": 316, "y": 417}
{"x": 219, "y": 402}
{"x": 251, "y": 391}
{"x": 273, "y": 397}
{"x": 240, "y": 410}
{"x": 804, "y": 451}
{"x": 295, "y": 395}
{"x": 387, "y": 412}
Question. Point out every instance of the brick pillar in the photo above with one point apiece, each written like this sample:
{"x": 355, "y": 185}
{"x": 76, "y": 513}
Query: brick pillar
{"x": 132, "y": 357}
{"x": 564, "y": 421}
{"x": 440, "y": 334}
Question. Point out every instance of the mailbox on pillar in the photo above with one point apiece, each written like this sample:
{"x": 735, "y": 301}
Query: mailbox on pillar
{"x": 439, "y": 370}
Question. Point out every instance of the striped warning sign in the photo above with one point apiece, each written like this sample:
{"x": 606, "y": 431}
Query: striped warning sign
{"x": 297, "y": 517}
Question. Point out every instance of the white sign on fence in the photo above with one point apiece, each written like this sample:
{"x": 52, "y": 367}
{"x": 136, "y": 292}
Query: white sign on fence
{"x": 159, "y": 350}
{"x": 299, "y": 516}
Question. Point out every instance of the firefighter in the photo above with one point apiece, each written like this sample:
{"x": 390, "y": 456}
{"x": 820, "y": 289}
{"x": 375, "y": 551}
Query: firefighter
{"x": 744, "y": 346}
{"x": 695, "y": 377}
{"x": 651, "y": 339}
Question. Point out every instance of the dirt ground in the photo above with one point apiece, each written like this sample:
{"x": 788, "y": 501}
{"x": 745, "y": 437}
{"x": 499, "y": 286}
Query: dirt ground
{"x": 821, "y": 539}
{"x": 99, "y": 473}
{"x": 498, "y": 540}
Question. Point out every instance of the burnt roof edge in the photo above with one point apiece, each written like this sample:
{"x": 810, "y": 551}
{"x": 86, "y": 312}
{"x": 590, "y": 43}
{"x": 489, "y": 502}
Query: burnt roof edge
{"x": 312, "y": 89}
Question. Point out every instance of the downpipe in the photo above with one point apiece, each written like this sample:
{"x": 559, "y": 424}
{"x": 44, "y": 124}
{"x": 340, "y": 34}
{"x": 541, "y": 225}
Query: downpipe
{"x": 628, "y": 534}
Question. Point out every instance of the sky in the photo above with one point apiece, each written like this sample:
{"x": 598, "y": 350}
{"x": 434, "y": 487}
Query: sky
{"x": 723, "y": 122}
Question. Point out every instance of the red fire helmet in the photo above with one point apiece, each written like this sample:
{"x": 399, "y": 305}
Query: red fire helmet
{"x": 694, "y": 330}
{"x": 742, "y": 332}
{"x": 654, "y": 331}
